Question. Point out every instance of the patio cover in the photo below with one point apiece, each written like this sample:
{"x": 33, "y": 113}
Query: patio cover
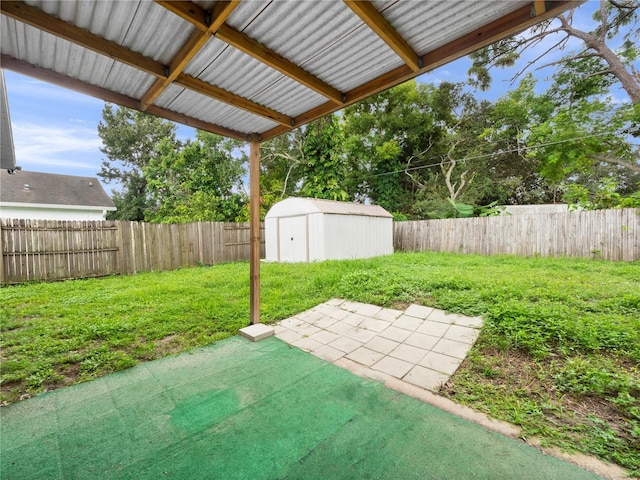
{"x": 249, "y": 70}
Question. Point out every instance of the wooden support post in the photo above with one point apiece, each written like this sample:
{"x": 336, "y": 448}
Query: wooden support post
{"x": 254, "y": 218}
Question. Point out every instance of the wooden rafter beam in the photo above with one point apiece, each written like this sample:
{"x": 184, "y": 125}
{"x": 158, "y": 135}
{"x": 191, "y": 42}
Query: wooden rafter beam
{"x": 189, "y": 50}
{"x": 189, "y": 11}
{"x": 376, "y": 22}
{"x": 539, "y": 7}
{"x": 267, "y": 56}
{"x": 47, "y": 23}
{"x": 49, "y": 76}
{"x": 197, "y": 16}
{"x": 510, "y": 24}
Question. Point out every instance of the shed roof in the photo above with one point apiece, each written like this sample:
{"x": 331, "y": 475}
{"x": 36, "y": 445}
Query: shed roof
{"x": 252, "y": 67}
{"x": 301, "y": 205}
{"x": 52, "y": 189}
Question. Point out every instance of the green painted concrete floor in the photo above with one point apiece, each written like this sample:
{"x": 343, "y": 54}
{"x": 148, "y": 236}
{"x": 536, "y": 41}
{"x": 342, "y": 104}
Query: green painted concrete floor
{"x": 242, "y": 410}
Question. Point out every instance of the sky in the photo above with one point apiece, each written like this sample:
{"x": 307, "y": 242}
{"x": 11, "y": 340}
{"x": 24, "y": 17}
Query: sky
{"x": 55, "y": 129}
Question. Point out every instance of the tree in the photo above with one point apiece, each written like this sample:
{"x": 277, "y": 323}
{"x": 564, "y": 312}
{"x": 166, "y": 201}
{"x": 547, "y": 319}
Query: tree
{"x": 280, "y": 167}
{"x": 308, "y": 161}
{"x": 199, "y": 180}
{"x": 323, "y": 166}
{"x": 572, "y": 136}
{"x": 614, "y": 20}
{"x": 508, "y": 135}
{"x": 130, "y": 141}
{"x": 390, "y": 139}
{"x": 587, "y": 141}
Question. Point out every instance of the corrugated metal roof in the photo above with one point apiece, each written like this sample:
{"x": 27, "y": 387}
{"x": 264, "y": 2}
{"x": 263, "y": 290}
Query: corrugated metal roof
{"x": 357, "y": 58}
{"x": 245, "y": 12}
{"x": 285, "y": 95}
{"x": 312, "y": 28}
{"x": 183, "y": 100}
{"x": 230, "y": 69}
{"x": 408, "y": 18}
{"x": 300, "y": 59}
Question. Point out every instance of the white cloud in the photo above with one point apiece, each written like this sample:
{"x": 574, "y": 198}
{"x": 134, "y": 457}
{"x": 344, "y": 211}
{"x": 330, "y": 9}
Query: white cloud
{"x": 49, "y": 146}
{"x": 31, "y": 88}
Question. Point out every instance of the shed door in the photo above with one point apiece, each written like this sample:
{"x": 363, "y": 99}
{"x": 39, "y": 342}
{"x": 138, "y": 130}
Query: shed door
{"x": 293, "y": 241}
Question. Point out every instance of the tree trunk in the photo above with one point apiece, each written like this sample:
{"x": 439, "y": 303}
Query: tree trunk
{"x": 617, "y": 161}
{"x": 616, "y": 67}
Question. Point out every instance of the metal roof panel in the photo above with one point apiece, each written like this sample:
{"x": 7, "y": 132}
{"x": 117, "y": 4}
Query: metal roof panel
{"x": 182, "y": 100}
{"x": 426, "y": 25}
{"x": 303, "y": 205}
{"x": 357, "y": 58}
{"x": 142, "y": 26}
{"x": 302, "y": 30}
{"x": 185, "y": 101}
{"x": 239, "y": 119}
{"x": 246, "y": 12}
{"x": 243, "y": 75}
{"x": 232, "y": 69}
{"x": 289, "y": 97}
{"x": 72, "y": 60}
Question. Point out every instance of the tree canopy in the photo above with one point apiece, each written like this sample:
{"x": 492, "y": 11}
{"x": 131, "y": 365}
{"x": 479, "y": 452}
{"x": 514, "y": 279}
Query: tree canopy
{"x": 162, "y": 179}
{"x": 130, "y": 140}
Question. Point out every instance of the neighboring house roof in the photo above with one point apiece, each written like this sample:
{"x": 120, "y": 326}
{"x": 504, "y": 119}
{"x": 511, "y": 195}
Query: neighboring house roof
{"x": 37, "y": 188}
{"x": 300, "y": 205}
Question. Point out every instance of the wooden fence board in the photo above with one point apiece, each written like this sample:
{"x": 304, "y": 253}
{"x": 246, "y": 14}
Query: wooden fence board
{"x": 607, "y": 234}
{"x": 56, "y": 250}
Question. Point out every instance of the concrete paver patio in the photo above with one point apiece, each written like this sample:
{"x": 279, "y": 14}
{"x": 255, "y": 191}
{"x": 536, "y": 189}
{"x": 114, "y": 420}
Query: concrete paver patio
{"x": 422, "y": 346}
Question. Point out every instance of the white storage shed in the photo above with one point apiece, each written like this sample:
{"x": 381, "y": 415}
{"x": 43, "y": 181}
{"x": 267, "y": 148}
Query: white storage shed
{"x": 309, "y": 229}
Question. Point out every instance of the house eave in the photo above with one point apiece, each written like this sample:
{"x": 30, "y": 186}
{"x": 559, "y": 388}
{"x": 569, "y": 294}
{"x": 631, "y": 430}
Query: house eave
{"x": 57, "y": 206}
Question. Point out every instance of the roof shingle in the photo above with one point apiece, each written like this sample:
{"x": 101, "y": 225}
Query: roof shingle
{"x": 52, "y": 189}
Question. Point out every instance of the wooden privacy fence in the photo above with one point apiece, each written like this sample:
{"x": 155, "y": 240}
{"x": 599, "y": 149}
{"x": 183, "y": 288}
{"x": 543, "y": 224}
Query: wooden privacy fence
{"x": 607, "y": 234}
{"x": 57, "y": 250}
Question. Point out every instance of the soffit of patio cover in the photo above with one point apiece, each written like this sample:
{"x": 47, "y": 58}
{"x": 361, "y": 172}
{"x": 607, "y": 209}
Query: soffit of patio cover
{"x": 246, "y": 68}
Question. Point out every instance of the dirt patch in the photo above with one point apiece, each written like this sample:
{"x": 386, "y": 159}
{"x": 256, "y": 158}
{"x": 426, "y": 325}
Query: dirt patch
{"x": 511, "y": 370}
{"x": 169, "y": 345}
{"x": 400, "y": 305}
{"x": 71, "y": 374}
{"x": 518, "y": 371}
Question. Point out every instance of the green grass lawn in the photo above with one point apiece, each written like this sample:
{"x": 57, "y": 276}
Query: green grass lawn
{"x": 559, "y": 353}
